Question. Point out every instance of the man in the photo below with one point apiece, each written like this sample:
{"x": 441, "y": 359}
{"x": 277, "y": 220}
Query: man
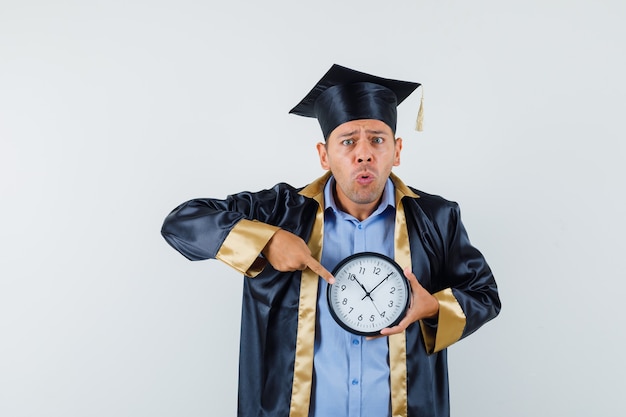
{"x": 295, "y": 360}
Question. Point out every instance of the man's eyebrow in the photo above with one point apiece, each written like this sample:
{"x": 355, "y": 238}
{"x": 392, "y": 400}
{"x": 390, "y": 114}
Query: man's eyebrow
{"x": 377, "y": 132}
{"x": 368, "y": 131}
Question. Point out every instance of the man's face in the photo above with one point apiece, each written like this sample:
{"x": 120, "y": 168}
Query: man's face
{"x": 360, "y": 154}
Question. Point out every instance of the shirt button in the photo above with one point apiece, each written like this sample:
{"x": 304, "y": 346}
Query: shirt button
{"x": 360, "y": 227}
{"x": 355, "y": 342}
{"x": 355, "y": 382}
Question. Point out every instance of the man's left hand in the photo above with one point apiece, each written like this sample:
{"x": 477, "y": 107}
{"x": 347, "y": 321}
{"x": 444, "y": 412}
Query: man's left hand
{"x": 423, "y": 305}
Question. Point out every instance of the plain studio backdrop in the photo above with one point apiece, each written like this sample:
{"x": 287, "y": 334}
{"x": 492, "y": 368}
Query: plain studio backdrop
{"x": 114, "y": 112}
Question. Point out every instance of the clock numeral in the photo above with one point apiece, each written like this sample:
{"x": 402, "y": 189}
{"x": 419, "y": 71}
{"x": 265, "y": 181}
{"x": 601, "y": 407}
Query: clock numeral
{"x": 343, "y": 287}
{"x": 351, "y": 308}
{"x": 377, "y": 270}
{"x": 372, "y": 318}
{"x": 345, "y": 301}
{"x": 361, "y": 270}
{"x": 392, "y": 290}
{"x": 390, "y": 303}
{"x": 360, "y": 318}
{"x": 383, "y": 314}
{"x": 351, "y": 277}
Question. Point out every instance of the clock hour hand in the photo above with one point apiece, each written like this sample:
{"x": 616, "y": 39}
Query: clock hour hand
{"x": 367, "y": 293}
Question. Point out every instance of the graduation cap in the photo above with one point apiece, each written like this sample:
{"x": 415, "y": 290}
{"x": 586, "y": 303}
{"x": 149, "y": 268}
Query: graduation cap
{"x": 344, "y": 94}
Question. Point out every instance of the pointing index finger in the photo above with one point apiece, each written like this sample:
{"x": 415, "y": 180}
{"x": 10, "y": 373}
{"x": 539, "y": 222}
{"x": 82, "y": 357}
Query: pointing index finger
{"x": 317, "y": 267}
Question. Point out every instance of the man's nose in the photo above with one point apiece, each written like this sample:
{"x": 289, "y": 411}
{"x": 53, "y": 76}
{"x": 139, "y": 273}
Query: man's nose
{"x": 363, "y": 152}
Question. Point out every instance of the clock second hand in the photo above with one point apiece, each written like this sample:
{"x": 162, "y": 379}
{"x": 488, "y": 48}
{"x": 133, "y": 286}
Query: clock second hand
{"x": 378, "y": 311}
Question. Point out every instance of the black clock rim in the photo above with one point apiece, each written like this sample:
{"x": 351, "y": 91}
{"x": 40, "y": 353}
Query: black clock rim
{"x": 399, "y": 270}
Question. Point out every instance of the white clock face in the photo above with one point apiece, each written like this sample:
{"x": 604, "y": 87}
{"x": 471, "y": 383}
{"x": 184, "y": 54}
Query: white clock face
{"x": 370, "y": 293}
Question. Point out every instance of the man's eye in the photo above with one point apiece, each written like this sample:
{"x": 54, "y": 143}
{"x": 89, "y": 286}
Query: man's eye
{"x": 347, "y": 142}
{"x": 378, "y": 140}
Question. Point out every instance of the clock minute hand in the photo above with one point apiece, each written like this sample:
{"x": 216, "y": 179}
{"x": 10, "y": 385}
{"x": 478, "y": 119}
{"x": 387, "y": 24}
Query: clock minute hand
{"x": 383, "y": 280}
{"x": 376, "y": 286}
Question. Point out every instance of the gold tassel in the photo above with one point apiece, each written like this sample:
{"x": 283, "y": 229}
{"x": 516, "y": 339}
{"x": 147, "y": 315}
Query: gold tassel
{"x": 420, "y": 114}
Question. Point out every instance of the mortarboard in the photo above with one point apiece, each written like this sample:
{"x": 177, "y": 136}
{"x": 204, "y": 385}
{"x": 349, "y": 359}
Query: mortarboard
{"x": 344, "y": 94}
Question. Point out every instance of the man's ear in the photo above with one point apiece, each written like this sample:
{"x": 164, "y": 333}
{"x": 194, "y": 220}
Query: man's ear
{"x": 398, "y": 150}
{"x": 323, "y": 154}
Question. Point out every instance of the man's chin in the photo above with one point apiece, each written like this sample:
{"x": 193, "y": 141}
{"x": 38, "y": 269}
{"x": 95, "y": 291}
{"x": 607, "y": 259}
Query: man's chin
{"x": 365, "y": 198}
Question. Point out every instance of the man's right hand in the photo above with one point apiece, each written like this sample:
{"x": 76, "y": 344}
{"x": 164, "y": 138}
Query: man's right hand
{"x": 288, "y": 252}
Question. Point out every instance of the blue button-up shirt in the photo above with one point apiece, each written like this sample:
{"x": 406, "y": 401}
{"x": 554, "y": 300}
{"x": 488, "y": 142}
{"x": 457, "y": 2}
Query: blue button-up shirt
{"x": 351, "y": 374}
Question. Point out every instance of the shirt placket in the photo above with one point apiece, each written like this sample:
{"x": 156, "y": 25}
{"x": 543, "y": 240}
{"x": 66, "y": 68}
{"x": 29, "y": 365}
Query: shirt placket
{"x": 356, "y": 342}
{"x": 354, "y": 402}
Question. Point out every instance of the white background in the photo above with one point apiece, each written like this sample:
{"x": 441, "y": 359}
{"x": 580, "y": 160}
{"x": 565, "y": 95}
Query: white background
{"x": 114, "y": 112}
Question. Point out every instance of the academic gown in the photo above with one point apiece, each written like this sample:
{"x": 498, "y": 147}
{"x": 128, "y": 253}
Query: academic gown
{"x": 279, "y": 308}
